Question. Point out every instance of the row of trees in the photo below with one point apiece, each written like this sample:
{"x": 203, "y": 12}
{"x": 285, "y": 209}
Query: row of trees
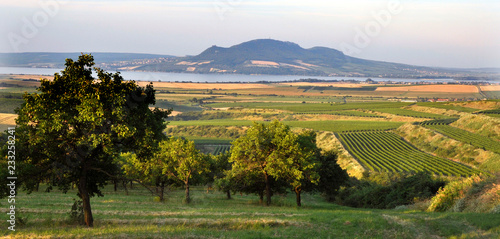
{"x": 84, "y": 132}
{"x": 269, "y": 159}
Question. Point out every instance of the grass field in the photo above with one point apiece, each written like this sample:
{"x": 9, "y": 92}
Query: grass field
{"x": 447, "y": 106}
{"x": 138, "y": 215}
{"x": 334, "y": 126}
{"x": 313, "y": 107}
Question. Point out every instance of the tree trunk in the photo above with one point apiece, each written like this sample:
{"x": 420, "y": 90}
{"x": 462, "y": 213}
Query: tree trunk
{"x": 188, "y": 199}
{"x": 261, "y": 197}
{"x": 268, "y": 191}
{"x": 84, "y": 194}
{"x": 115, "y": 182}
{"x": 162, "y": 190}
{"x": 125, "y": 186}
{"x": 297, "y": 194}
{"x": 228, "y": 193}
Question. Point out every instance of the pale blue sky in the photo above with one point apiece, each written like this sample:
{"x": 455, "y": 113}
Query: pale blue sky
{"x": 451, "y": 33}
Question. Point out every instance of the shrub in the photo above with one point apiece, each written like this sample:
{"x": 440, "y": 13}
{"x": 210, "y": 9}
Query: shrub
{"x": 447, "y": 196}
{"x": 395, "y": 190}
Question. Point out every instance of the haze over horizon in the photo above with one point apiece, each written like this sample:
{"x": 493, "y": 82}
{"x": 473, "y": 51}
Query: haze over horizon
{"x": 451, "y": 33}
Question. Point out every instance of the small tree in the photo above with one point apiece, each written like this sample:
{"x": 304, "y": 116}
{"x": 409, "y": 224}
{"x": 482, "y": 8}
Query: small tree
{"x": 271, "y": 153}
{"x": 304, "y": 174}
{"x": 181, "y": 161}
{"x": 70, "y": 131}
{"x": 147, "y": 173}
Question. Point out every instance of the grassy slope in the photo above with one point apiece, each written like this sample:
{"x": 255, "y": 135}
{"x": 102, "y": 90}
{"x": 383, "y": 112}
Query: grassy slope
{"x": 210, "y": 215}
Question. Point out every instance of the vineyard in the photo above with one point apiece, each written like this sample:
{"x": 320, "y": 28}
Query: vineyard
{"x": 220, "y": 149}
{"x": 385, "y": 151}
{"x": 466, "y": 137}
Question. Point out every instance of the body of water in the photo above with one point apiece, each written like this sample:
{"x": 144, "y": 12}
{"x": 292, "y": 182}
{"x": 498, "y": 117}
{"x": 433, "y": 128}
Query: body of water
{"x": 164, "y": 76}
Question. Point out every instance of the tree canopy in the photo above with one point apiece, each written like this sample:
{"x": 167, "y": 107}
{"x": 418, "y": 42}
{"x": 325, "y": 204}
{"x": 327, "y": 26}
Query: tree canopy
{"x": 272, "y": 154}
{"x": 73, "y": 127}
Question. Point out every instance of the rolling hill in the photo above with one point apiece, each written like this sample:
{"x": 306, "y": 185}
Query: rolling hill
{"x": 56, "y": 60}
{"x": 267, "y": 56}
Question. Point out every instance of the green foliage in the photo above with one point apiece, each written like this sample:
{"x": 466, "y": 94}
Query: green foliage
{"x": 179, "y": 160}
{"x": 478, "y": 194}
{"x": 272, "y": 152}
{"x": 387, "y": 152}
{"x": 76, "y": 214}
{"x": 447, "y": 197}
{"x": 331, "y": 175}
{"x": 70, "y": 131}
{"x": 406, "y": 190}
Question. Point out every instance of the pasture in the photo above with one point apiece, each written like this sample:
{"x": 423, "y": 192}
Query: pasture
{"x": 211, "y": 215}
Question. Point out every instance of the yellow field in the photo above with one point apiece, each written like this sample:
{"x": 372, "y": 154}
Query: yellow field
{"x": 490, "y": 88}
{"x": 433, "y": 88}
{"x": 7, "y": 119}
{"x": 334, "y": 84}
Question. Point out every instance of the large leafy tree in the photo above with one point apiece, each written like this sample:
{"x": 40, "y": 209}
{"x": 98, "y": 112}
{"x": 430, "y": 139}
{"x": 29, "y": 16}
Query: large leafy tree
{"x": 73, "y": 127}
{"x": 272, "y": 153}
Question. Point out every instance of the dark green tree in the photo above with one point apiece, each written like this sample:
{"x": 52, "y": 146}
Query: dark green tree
{"x": 73, "y": 127}
{"x": 332, "y": 176}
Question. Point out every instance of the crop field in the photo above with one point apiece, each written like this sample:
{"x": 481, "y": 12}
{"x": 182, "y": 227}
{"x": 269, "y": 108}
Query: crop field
{"x": 409, "y": 113}
{"x": 466, "y": 137}
{"x": 313, "y": 107}
{"x": 447, "y": 106}
{"x": 333, "y": 126}
{"x": 220, "y": 149}
{"x": 345, "y": 126}
{"x": 210, "y": 215}
{"x": 387, "y": 152}
{"x": 348, "y": 113}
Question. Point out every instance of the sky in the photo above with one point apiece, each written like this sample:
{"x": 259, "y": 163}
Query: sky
{"x": 447, "y": 33}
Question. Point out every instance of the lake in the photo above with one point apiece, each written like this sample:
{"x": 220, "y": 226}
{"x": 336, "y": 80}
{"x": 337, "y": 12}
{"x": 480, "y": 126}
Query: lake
{"x": 164, "y": 76}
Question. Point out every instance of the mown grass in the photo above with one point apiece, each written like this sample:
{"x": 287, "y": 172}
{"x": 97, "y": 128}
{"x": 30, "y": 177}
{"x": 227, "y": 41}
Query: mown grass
{"x": 138, "y": 215}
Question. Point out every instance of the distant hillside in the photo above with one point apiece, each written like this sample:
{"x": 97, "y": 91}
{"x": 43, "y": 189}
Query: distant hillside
{"x": 56, "y": 60}
{"x": 266, "y": 56}
{"x": 263, "y": 56}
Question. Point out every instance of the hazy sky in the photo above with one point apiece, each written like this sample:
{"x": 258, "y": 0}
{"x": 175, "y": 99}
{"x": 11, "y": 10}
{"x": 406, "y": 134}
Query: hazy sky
{"x": 450, "y": 33}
